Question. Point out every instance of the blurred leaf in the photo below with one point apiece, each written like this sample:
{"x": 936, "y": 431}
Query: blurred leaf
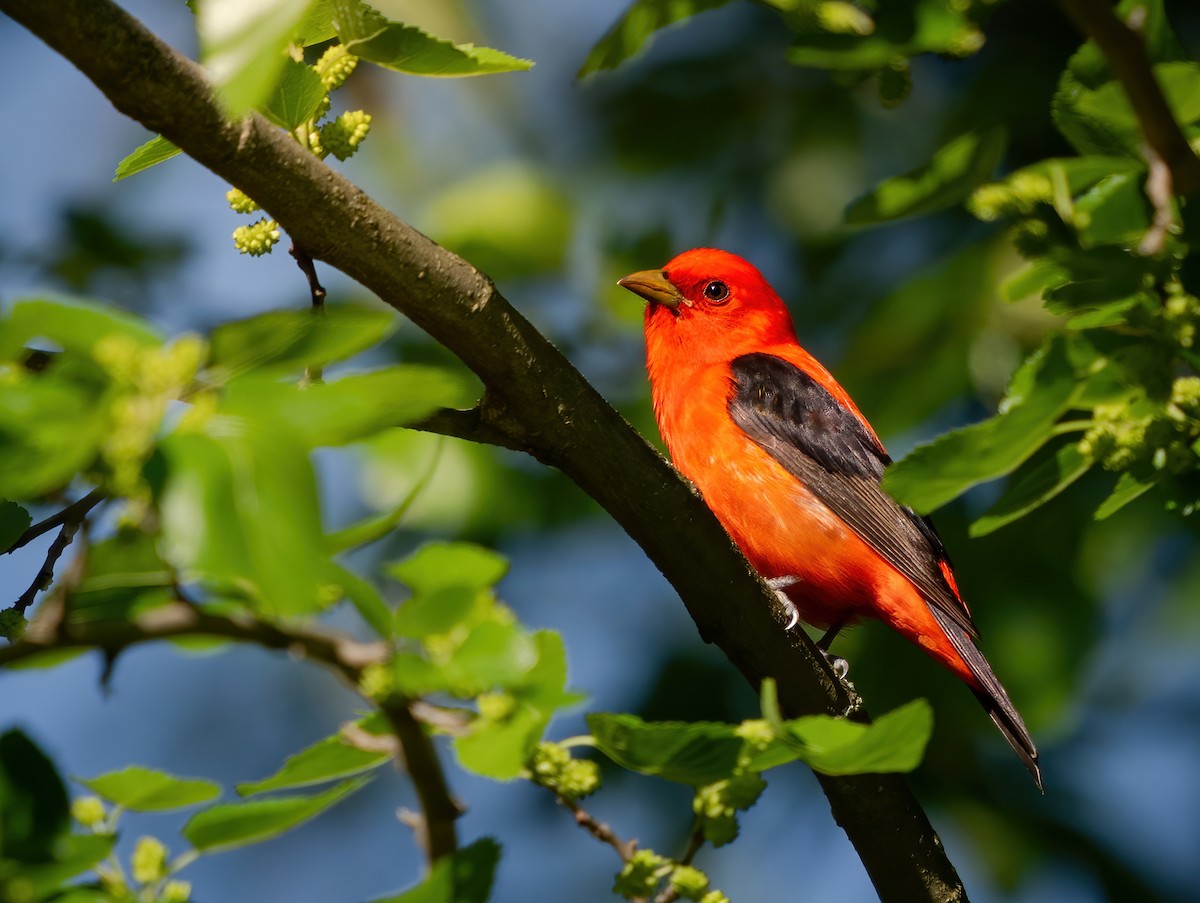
{"x": 354, "y": 407}
{"x": 637, "y": 25}
{"x": 147, "y": 790}
{"x": 900, "y": 30}
{"x": 508, "y": 219}
{"x": 1128, "y": 489}
{"x": 73, "y": 854}
{"x": 33, "y": 801}
{"x": 365, "y": 599}
{"x": 242, "y": 45}
{"x": 239, "y": 509}
{"x": 75, "y": 324}
{"x": 493, "y": 655}
{"x": 1033, "y": 487}
{"x": 1114, "y": 211}
{"x": 1100, "y": 120}
{"x": 50, "y": 429}
{"x": 933, "y": 474}
{"x": 282, "y": 342}
{"x": 1032, "y": 279}
{"x": 406, "y": 48}
{"x": 14, "y": 521}
{"x": 153, "y": 152}
{"x": 463, "y": 877}
{"x": 953, "y": 173}
{"x": 499, "y": 749}
{"x": 233, "y": 825}
{"x": 124, "y": 573}
{"x": 693, "y": 753}
{"x": 296, "y": 98}
{"x": 325, "y": 760}
{"x": 439, "y": 565}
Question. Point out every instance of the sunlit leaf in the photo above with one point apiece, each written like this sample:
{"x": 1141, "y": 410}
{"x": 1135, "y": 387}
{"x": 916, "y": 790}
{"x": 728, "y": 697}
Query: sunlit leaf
{"x": 933, "y": 474}
{"x": 368, "y": 34}
{"x": 326, "y": 760}
{"x": 899, "y": 30}
{"x": 153, "y": 152}
{"x": 438, "y": 565}
{"x": 953, "y": 173}
{"x": 296, "y": 98}
{"x": 894, "y": 742}
{"x": 74, "y": 324}
{"x": 233, "y": 825}
{"x": 694, "y": 753}
{"x": 242, "y": 45}
{"x": 148, "y": 790}
{"x": 1033, "y": 487}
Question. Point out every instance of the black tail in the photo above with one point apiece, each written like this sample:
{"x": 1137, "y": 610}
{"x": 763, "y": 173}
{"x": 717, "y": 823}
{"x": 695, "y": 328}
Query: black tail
{"x": 993, "y": 697}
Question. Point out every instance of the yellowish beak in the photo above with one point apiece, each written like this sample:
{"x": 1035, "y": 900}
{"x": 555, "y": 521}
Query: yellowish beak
{"x": 654, "y": 286}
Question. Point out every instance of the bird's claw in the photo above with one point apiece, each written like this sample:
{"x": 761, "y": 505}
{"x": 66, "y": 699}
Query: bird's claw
{"x": 779, "y": 584}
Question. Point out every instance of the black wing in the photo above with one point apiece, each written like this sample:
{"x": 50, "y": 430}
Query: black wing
{"x": 795, "y": 420}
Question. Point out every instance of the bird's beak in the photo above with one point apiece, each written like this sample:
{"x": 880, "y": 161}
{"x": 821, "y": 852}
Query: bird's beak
{"x": 654, "y": 286}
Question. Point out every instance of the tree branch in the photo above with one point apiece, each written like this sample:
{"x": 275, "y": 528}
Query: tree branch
{"x": 1125, "y": 50}
{"x": 535, "y": 399}
{"x": 73, "y": 513}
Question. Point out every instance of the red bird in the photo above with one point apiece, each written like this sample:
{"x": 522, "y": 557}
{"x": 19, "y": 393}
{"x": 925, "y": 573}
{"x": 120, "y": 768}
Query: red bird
{"x": 791, "y": 468}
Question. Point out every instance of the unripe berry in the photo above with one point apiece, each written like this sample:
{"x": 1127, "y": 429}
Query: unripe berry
{"x": 342, "y": 136}
{"x": 12, "y": 624}
{"x": 690, "y": 883}
{"x": 257, "y": 238}
{"x": 88, "y": 811}
{"x": 239, "y": 201}
{"x": 149, "y": 862}
{"x": 641, "y": 874}
{"x": 335, "y": 66}
{"x": 177, "y": 892}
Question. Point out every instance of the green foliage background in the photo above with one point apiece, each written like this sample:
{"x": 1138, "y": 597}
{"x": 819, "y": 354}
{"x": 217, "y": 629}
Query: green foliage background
{"x": 926, "y": 297}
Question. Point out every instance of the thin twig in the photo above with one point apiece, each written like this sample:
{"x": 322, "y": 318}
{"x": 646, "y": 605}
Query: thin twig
{"x": 74, "y": 512}
{"x": 317, "y": 293}
{"x": 435, "y": 828}
{"x": 598, "y": 829}
{"x": 1125, "y": 50}
{"x": 1158, "y": 190}
{"x": 46, "y": 573}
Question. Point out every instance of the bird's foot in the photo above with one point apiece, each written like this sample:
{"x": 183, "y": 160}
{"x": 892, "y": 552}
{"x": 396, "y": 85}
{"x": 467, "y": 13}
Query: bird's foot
{"x": 779, "y": 584}
{"x": 841, "y": 670}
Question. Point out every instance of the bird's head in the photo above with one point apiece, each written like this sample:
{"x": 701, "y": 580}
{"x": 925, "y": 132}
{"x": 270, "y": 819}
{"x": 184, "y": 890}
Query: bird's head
{"x": 712, "y": 303}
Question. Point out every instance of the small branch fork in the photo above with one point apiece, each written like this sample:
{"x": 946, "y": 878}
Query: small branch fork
{"x": 316, "y": 291}
{"x": 69, "y": 520}
{"x": 344, "y": 655}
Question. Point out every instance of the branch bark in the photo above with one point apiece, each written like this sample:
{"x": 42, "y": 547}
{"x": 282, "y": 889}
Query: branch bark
{"x": 535, "y": 401}
{"x": 1125, "y": 51}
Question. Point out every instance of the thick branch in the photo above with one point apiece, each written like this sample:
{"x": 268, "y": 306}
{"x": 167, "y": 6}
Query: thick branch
{"x": 535, "y": 399}
{"x": 1125, "y": 51}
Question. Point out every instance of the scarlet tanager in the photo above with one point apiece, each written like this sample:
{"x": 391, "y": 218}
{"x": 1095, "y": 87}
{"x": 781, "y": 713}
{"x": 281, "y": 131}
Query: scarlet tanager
{"x": 792, "y": 469}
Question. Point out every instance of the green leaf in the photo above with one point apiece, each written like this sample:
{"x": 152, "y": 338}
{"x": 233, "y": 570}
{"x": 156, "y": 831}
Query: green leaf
{"x": 354, "y": 407}
{"x": 439, "y": 565}
{"x": 933, "y": 474}
{"x": 1033, "y": 279}
{"x": 894, "y": 742}
{"x": 1128, "y": 489}
{"x": 296, "y": 98}
{"x": 73, "y": 854}
{"x": 317, "y": 25}
{"x": 901, "y": 30}
{"x": 75, "y": 324}
{"x": 406, "y": 48}
{"x": 1033, "y": 487}
{"x": 148, "y": 790}
{"x": 463, "y": 877}
{"x": 14, "y": 521}
{"x": 1114, "y": 211}
{"x": 153, "y": 152}
{"x": 376, "y": 527}
{"x": 239, "y": 510}
{"x": 125, "y": 575}
{"x": 285, "y": 342}
{"x": 693, "y": 753}
{"x": 242, "y": 45}
{"x": 33, "y": 801}
{"x": 326, "y": 760}
{"x": 634, "y": 30}
{"x": 493, "y": 655}
{"x": 233, "y": 825}
{"x": 365, "y": 599}
{"x": 953, "y": 173}
{"x": 51, "y": 428}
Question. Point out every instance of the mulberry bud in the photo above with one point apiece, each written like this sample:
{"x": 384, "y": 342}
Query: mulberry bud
{"x": 256, "y": 239}
{"x": 335, "y": 66}
{"x": 641, "y": 874}
{"x": 88, "y": 811}
{"x": 239, "y": 201}
{"x": 149, "y": 862}
{"x": 343, "y": 136}
{"x": 177, "y": 892}
{"x": 690, "y": 883}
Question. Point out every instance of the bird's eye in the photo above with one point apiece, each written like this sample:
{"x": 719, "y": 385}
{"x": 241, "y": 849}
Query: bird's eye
{"x": 717, "y": 292}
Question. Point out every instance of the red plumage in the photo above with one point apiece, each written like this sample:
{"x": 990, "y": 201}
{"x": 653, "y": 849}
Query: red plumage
{"x": 791, "y": 468}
